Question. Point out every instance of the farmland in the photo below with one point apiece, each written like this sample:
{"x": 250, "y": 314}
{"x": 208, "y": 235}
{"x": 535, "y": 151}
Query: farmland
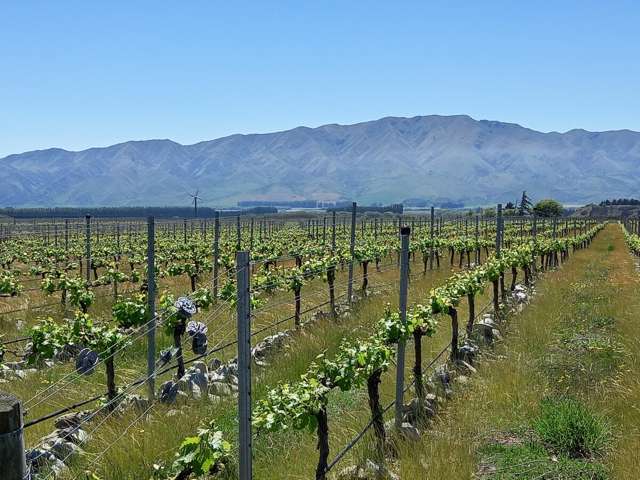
{"x": 127, "y": 355}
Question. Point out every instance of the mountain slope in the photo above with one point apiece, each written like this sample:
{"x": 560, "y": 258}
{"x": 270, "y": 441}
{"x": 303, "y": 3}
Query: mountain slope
{"x": 387, "y": 160}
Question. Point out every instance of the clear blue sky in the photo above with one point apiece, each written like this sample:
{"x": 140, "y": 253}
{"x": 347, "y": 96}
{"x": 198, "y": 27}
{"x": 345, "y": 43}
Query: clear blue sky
{"x": 75, "y": 74}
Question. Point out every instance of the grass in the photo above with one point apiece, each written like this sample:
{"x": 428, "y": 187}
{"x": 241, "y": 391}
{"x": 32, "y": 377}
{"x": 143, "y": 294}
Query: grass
{"x": 578, "y": 338}
{"x": 134, "y": 445}
{"x": 530, "y": 460}
{"x": 595, "y": 293}
{"x": 569, "y": 428}
{"x": 562, "y": 442}
{"x": 131, "y": 362}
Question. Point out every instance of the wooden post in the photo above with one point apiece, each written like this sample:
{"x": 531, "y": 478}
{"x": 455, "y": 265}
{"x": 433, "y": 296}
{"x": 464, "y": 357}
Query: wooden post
{"x": 13, "y": 464}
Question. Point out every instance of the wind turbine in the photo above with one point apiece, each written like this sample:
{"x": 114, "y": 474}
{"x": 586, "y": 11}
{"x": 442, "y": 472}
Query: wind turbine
{"x": 195, "y": 202}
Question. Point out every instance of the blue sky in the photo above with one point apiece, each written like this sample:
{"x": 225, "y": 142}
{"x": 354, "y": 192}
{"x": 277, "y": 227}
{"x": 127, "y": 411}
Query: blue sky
{"x": 75, "y": 74}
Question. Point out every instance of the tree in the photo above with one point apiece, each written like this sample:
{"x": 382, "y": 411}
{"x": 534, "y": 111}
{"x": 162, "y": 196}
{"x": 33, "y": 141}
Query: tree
{"x": 525, "y": 205}
{"x": 489, "y": 212}
{"x": 548, "y": 208}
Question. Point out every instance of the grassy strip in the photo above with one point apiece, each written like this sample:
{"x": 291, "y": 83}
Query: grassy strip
{"x": 542, "y": 406}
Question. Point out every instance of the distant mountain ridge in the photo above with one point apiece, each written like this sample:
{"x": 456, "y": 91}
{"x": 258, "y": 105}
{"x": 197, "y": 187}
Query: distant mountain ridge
{"x": 430, "y": 157}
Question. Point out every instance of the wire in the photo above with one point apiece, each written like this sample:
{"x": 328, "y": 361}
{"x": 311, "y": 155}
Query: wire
{"x": 359, "y": 436}
{"x": 136, "y": 383}
{"x": 128, "y": 340}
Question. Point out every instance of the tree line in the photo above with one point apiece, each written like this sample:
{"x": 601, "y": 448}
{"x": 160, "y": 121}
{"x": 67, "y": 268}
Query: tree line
{"x": 128, "y": 212}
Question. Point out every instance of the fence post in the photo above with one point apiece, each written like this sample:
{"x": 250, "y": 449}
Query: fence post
{"x": 498, "y": 229}
{"x": 351, "y": 251}
{"x": 238, "y": 234}
{"x": 66, "y": 234}
{"x": 477, "y": 235}
{"x": 118, "y": 239}
{"x": 431, "y": 232}
{"x": 244, "y": 364}
{"x": 12, "y": 457}
{"x": 333, "y": 231}
{"x": 151, "y": 308}
{"x": 324, "y": 230}
{"x": 184, "y": 229}
{"x": 216, "y": 254}
{"x": 251, "y": 235}
{"x": 404, "y": 283}
{"x": 87, "y": 246}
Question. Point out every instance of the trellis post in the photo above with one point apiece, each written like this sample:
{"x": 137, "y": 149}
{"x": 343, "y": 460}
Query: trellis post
{"x": 12, "y": 456}
{"x": 352, "y": 247}
{"x": 244, "y": 364}
{"x": 87, "y": 246}
{"x": 404, "y": 283}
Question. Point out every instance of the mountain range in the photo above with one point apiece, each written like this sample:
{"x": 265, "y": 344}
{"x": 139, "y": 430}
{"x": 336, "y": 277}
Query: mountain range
{"x": 436, "y": 158}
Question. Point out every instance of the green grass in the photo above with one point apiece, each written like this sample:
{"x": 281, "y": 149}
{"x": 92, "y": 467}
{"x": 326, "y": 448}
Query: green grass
{"x": 577, "y": 338}
{"x": 596, "y": 293}
{"x": 561, "y": 443}
{"x": 131, "y": 455}
{"x": 131, "y": 362}
{"x": 532, "y": 461}
{"x": 569, "y": 428}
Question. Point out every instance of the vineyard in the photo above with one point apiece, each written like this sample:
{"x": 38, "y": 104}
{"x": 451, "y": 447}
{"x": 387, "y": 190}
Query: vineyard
{"x": 338, "y": 347}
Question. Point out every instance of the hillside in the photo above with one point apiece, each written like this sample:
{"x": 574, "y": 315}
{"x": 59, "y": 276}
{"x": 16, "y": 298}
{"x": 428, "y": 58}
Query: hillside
{"x": 431, "y": 157}
{"x": 608, "y": 211}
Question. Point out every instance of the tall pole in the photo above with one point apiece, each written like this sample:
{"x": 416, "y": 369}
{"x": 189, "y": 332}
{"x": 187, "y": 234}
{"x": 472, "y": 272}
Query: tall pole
{"x": 238, "y": 234}
{"x": 151, "y": 307}
{"x": 477, "y": 236}
{"x": 184, "y": 230}
{"x": 118, "y": 239}
{"x": 333, "y": 231}
{"x": 244, "y": 364}
{"x": 87, "y": 246}
{"x": 352, "y": 251}
{"x": 324, "y": 230}
{"x": 431, "y": 232}
{"x": 498, "y": 230}
{"x": 404, "y": 284}
{"x": 216, "y": 254}
{"x": 66, "y": 234}
{"x": 251, "y": 235}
